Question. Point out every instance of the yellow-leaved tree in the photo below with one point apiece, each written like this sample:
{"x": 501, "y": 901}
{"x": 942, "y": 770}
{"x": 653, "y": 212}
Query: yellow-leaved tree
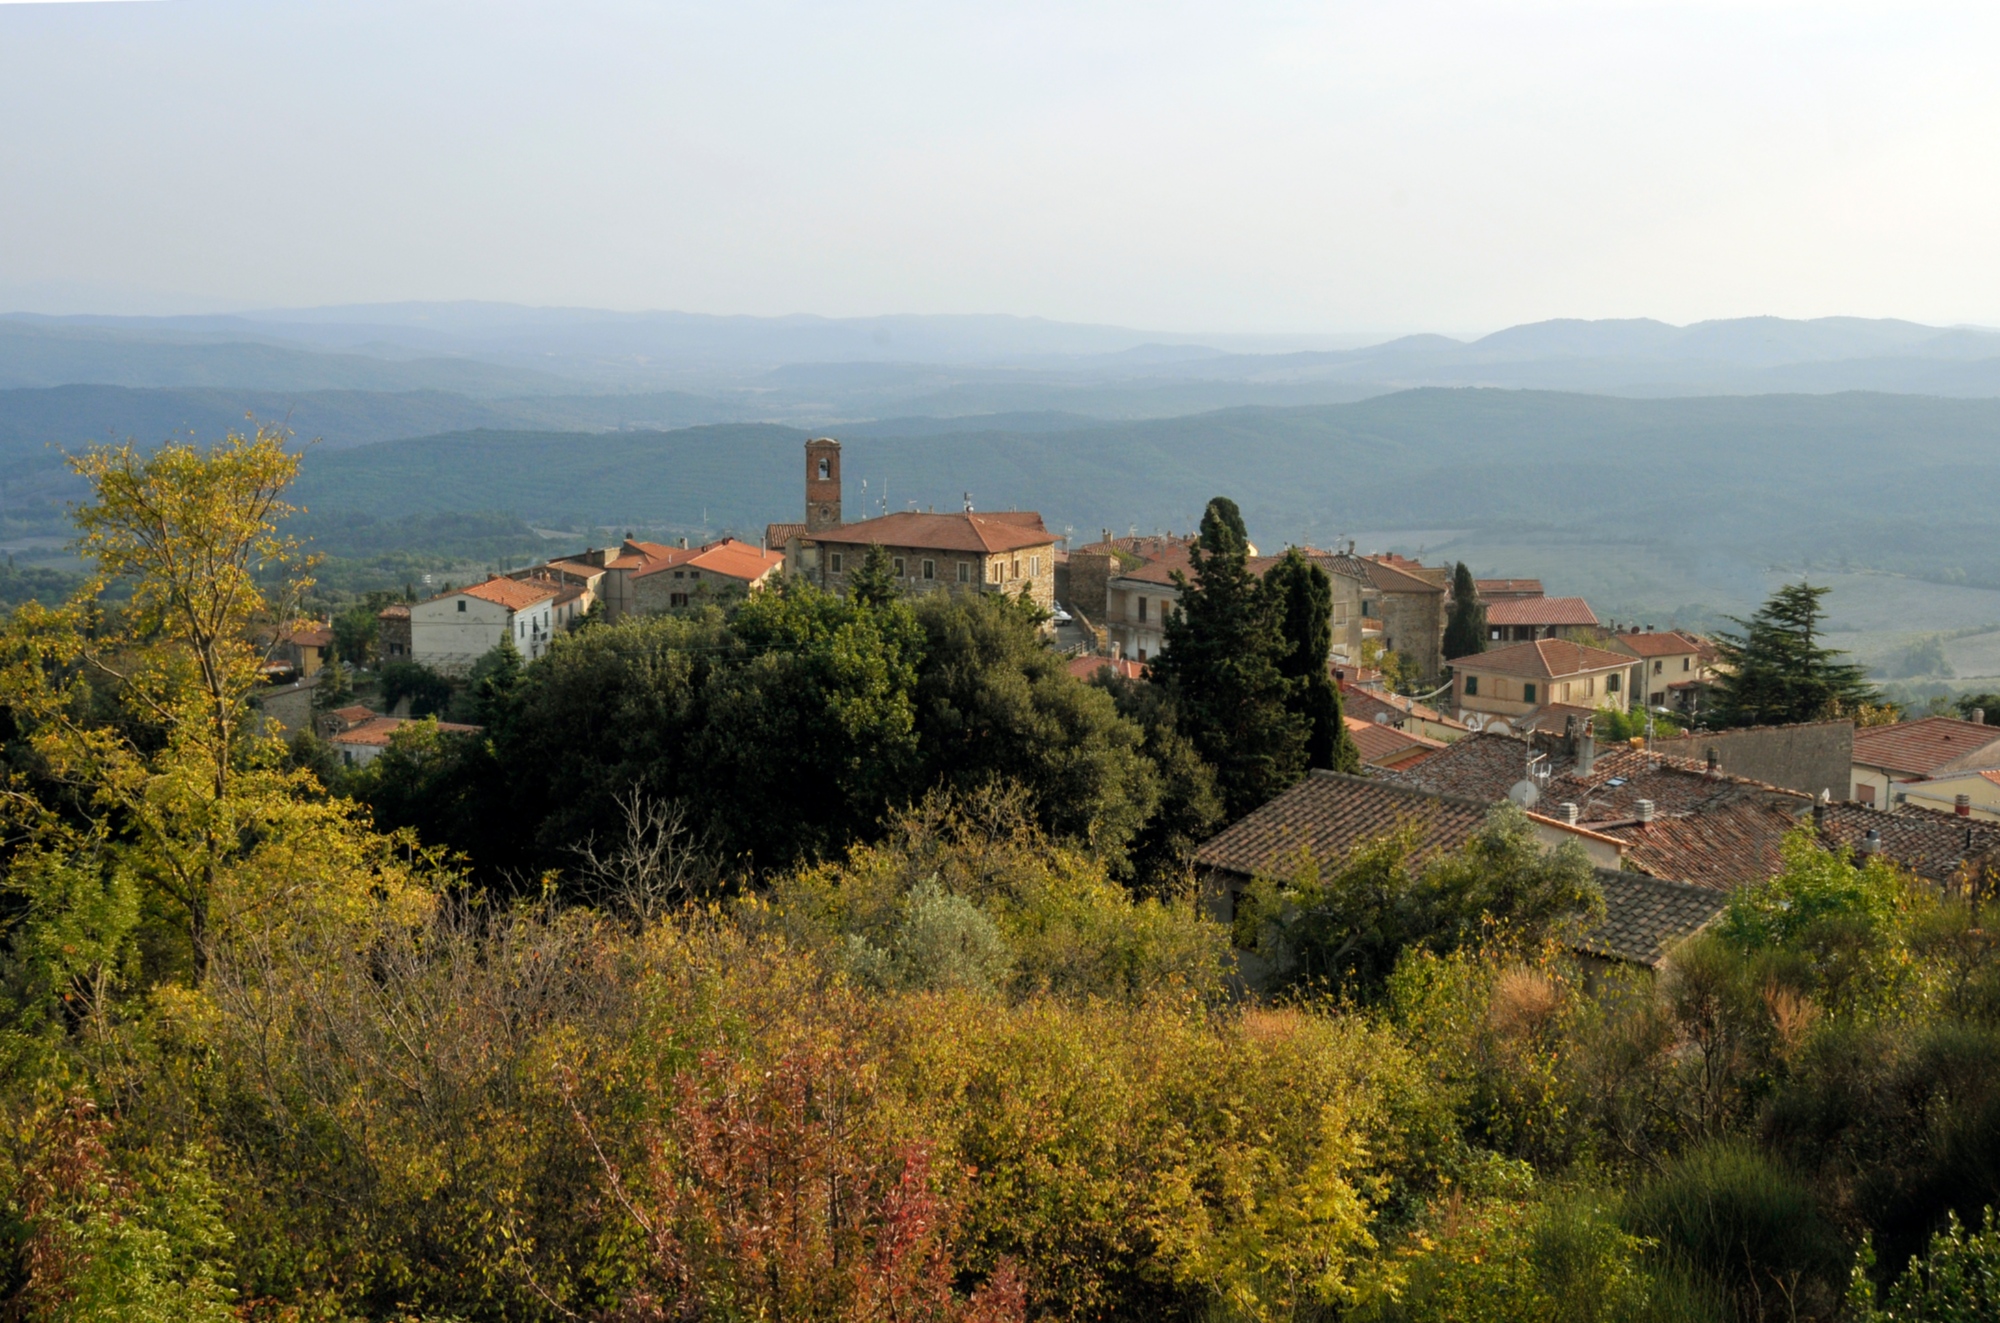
{"x": 157, "y": 793}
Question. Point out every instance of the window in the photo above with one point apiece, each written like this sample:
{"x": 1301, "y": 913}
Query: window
{"x": 998, "y": 570}
{"x": 1368, "y": 609}
{"x": 677, "y": 599}
{"x": 1565, "y": 697}
{"x": 965, "y": 571}
{"x": 1657, "y": 666}
{"x": 1471, "y": 686}
{"x": 1590, "y": 687}
{"x": 899, "y": 566}
{"x": 834, "y": 562}
{"x": 1017, "y": 568}
{"x": 1142, "y": 608}
{"x": 1496, "y": 635}
{"x": 1866, "y": 794}
{"x": 680, "y": 574}
{"x": 1687, "y": 663}
{"x": 930, "y": 569}
{"x": 1527, "y": 693}
{"x": 461, "y": 604}
{"x": 1034, "y": 567}
{"x": 1142, "y": 654}
{"x": 1611, "y": 683}
{"x": 825, "y": 468}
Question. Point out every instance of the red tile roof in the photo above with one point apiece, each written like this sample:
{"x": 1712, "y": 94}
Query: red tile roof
{"x": 513, "y": 594}
{"x": 1084, "y": 668}
{"x": 1382, "y": 745}
{"x": 730, "y": 557}
{"x": 381, "y": 730}
{"x": 310, "y": 636}
{"x": 1330, "y": 814}
{"x": 1722, "y": 845}
{"x": 1391, "y": 578}
{"x": 1161, "y": 568}
{"x": 1003, "y": 530}
{"x": 400, "y": 611}
{"x": 1543, "y": 659}
{"x": 1930, "y": 844}
{"x": 1360, "y": 701}
{"x": 777, "y": 535}
{"x": 1669, "y": 643}
{"x": 1921, "y": 747}
{"x": 1544, "y": 611}
{"x": 1502, "y": 588}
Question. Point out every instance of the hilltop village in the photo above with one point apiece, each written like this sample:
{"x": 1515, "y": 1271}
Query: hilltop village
{"x": 1595, "y": 728}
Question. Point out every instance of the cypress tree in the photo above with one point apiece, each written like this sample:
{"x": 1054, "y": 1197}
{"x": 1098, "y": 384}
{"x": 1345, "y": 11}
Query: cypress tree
{"x": 1465, "y": 631}
{"x": 1220, "y": 658}
{"x": 1776, "y": 671}
{"x": 875, "y": 581}
{"x": 1302, "y": 597}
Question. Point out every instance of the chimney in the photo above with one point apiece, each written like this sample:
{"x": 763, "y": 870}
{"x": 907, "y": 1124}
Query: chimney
{"x": 1643, "y": 811}
{"x": 1979, "y": 716}
{"x": 1567, "y": 812}
{"x": 1819, "y": 812}
{"x": 684, "y": 543}
{"x": 1586, "y": 751}
{"x": 1962, "y": 806}
{"x": 1872, "y": 842}
{"x": 1714, "y": 762}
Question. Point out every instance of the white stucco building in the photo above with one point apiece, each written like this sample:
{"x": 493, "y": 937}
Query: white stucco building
{"x": 452, "y": 631}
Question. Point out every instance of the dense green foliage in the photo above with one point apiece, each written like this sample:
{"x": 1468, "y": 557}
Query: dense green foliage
{"x": 1777, "y": 670}
{"x": 1303, "y": 599}
{"x": 1465, "y": 626}
{"x": 932, "y": 1059}
{"x": 1220, "y": 662}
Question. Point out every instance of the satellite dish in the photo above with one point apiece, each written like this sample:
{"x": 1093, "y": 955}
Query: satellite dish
{"x": 1525, "y": 794}
{"x": 1381, "y": 718}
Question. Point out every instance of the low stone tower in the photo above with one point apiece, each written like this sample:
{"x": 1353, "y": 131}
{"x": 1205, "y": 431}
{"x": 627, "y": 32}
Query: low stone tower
{"x": 822, "y": 484}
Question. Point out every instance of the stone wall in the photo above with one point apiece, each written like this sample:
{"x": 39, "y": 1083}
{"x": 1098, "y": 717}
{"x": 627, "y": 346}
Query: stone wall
{"x": 1089, "y": 586}
{"x": 1413, "y": 628}
{"x": 1812, "y": 757}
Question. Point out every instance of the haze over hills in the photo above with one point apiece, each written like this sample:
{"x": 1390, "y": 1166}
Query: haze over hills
{"x": 812, "y": 368}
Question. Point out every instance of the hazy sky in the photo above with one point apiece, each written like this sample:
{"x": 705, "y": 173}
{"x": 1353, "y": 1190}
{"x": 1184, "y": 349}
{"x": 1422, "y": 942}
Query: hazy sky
{"x": 1227, "y": 166}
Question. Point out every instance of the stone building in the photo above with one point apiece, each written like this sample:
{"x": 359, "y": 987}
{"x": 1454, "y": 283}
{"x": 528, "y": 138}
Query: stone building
{"x": 1008, "y": 551}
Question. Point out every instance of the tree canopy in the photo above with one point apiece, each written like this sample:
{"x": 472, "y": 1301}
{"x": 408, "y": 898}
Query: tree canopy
{"x": 1778, "y": 671}
{"x": 1222, "y": 648}
{"x": 1302, "y": 596}
{"x": 1465, "y": 627}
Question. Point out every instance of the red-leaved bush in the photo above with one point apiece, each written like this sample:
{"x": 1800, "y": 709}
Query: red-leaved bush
{"x": 779, "y": 1193}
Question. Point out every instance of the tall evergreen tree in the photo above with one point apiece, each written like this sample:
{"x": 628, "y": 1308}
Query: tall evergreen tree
{"x": 1777, "y": 671}
{"x": 1221, "y": 659}
{"x": 1465, "y": 630}
{"x": 874, "y": 582}
{"x": 1302, "y": 597}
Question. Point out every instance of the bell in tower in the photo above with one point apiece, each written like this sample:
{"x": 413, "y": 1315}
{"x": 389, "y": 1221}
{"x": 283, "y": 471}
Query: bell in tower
{"x": 822, "y": 484}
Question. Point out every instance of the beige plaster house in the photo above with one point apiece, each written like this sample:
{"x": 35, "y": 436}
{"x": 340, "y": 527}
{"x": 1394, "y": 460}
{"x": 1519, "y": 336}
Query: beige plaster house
{"x": 1519, "y": 680}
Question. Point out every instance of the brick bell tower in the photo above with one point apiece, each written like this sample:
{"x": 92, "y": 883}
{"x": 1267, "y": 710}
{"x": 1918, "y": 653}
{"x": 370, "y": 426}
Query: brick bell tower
{"x": 822, "y": 484}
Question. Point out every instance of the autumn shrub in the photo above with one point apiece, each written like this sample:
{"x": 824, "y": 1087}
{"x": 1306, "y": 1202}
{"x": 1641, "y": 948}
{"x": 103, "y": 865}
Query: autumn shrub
{"x": 1066, "y": 925}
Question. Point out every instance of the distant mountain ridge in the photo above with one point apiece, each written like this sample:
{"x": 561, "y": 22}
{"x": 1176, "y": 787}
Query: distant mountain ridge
{"x": 848, "y": 368}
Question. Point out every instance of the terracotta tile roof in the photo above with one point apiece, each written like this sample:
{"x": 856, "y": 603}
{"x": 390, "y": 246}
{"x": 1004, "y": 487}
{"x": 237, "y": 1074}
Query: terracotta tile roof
{"x": 1331, "y": 814}
{"x": 1546, "y": 659}
{"x": 1360, "y": 701}
{"x": 572, "y": 568}
{"x": 1722, "y": 845}
{"x": 381, "y": 730}
{"x": 1485, "y": 766}
{"x": 730, "y": 557}
{"x": 310, "y": 636}
{"x": 1503, "y": 588}
{"x": 1921, "y": 747}
{"x": 352, "y": 715}
{"x": 513, "y": 594}
{"x": 1932, "y": 845}
{"x": 1004, "y": 530}
{"x": 1644, "y": 916}
{"x": 1084, "y": 668}
{"x": 1391, "y": 578}
{"x": 1668, "y": 643}
{"x": 1382, "y": 745}
{"x": 1171, "y": 560}
{"x": 400, "y": 611}
{"x": 1547, "y": 611}
{"x": 777, "y": 535}
{"x": 1552, "y": 717}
